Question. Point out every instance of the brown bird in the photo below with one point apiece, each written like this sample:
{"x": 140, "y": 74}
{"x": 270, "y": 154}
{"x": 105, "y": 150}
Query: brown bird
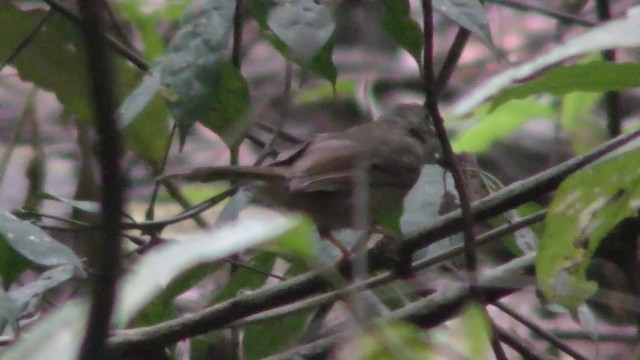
{"x": 318, "y": 177}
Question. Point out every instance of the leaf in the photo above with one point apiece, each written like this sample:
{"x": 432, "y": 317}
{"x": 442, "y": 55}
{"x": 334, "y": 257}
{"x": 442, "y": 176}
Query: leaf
{"x": 228, "y": 106}
{"x": 499, "y": 124}
{"x": 56, "y": 61}
{"x": 400, "y": 340}
{"x": 476, "y": 329}
{"x": 9, "y": 311}
{"x": 586, "y": 207}
{"x": 60, "y": 334}
{"x": 264, "y": 339}
{"x": 194, "y": 74}
{"x": 35, "y": 244}
{"x": 159, "y": 268}
{"x": 140, "y": 98}
{"x": 397, "y": 22}
{"x": 471, "y": 15}
{"x": 27, "y": 297}
{"x": 86, "y": 206}
{"x": 305, "y": 26}
{"x": 12, "y": 264}
{"x": 261, "y": 340}
{"x": 620, "y": 33}
{"x": 597, "y": 76}
{"x": 321, "y": 62}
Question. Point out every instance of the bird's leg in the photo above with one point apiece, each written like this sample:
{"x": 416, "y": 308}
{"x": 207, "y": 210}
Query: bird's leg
{"x": 327, "y": 235}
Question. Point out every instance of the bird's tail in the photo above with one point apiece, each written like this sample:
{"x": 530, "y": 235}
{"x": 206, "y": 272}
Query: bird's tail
{"x": 218, "y": 173}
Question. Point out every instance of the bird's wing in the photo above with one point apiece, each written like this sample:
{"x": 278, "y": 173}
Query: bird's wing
{"x": 327, "y": 164}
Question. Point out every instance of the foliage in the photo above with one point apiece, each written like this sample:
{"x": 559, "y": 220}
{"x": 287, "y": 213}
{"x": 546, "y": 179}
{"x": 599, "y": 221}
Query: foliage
{"x": 274, "y": 284}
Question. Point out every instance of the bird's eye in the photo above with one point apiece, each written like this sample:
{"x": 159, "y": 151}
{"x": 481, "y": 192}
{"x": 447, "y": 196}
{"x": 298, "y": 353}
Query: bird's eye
{"x": 416, "y": 134}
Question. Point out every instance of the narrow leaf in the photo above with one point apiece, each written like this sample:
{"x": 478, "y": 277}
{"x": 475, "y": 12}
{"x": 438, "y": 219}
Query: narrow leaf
{"x": 619, "y": 33}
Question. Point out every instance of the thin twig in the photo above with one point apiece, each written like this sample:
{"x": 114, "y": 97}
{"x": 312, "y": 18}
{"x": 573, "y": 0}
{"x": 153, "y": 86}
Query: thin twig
{"x": 276, "y": 132}
{"x": 547, "y": 336}
{"x": 107, "y": 250}
{"x": 150, "y": 213}
{"x": 431, "y": 104}
{"x": 27, "y": 39}
{"x": 560, "y": 16}
{"x": 525, "y": 350}
{"x": 15, "y": 137}
{"x": 450, "y": 62}
{"x": 238, "y": 22}
{"x": 611, "y": 98}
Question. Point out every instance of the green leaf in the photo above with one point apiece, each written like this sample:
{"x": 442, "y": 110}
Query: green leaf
{"x": 400, "y": 340}
{"x": 471, "y": 15}
{"x": 299, "y": 242}
{"x": 264, "y": 339}
{"x": 619, "y": 33}
{"x": 305, "y": 26}
{"x": 597, "y": 76}
{"x": 56, "y": 61}
{"x": 397, "y": 22}
{"x": 199, "y": 85}
{"x": 34, "y": 244}
{"x": 86, "y": 206}
{"x": 499, "y": 124}
{"x": 160, "y": 267}
{"x": 251, "y": 277}
{"x": 321, "y": 62}
{"x": 227, "y": 107}
{"x": 12, "y": 264}
{"x": 476, "y": 329}
{"x": 323, "y": 65}
{"x": 586, "y": 207}
{"x": 60, "y": 334}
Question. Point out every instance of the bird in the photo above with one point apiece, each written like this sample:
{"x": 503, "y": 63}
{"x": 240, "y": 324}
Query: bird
{"x": 319, "y": 177}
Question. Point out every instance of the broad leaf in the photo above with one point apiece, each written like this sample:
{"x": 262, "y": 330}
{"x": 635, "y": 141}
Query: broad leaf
{"x": 56, "y": 61}
{"x": 471, "y": 15}
{"x": 34, "y": 244}
{"x": 303, "y": 31}
{"x": 586, "y": 207}
{"x": 397, "y": 22}
{"x": 304, "y": 25}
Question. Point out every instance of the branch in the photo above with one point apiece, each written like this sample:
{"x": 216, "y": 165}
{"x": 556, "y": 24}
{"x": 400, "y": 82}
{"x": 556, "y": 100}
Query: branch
{"x": 431, "y": 105}
{"x": 106, "y": 251}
